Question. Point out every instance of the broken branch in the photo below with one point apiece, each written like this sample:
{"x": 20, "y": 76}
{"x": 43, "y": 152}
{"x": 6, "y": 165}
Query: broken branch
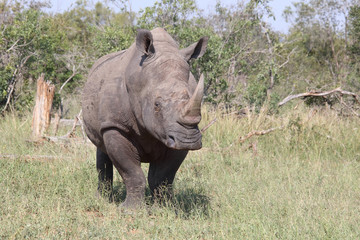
{"x": 242, "y": 139}
{"x": 257, "y": 133}
{"x": 207, "y": 126}
{"x": 70, "y": 134}
{"x": 319, "y": 94}
{"x": 10, "y": 91}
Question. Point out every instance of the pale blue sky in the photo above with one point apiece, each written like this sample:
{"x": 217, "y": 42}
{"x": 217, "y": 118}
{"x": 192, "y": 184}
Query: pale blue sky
{"x": 208, "y": 5}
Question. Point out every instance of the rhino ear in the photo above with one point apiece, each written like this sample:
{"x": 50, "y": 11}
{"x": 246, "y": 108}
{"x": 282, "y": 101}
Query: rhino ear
{"x": 144, "y": 42}
{"x": 195, "y": 50}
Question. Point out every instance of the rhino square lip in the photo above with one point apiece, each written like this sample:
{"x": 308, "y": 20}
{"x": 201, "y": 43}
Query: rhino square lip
{"x": 193, "y": 143}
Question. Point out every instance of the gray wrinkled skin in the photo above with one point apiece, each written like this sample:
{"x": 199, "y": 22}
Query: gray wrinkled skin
{"x": 143, "y": 105}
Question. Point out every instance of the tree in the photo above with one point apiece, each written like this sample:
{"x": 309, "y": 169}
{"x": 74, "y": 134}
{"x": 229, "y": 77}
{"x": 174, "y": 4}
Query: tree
{"x": 22, "y": 42}
{"x": 319, "y": 33}
{"x": 354, "y": 46}
{"x": 167, "y": 14}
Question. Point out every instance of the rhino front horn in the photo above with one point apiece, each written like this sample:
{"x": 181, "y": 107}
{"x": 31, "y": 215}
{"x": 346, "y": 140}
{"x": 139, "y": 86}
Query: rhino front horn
{"x": 192, "y": 109}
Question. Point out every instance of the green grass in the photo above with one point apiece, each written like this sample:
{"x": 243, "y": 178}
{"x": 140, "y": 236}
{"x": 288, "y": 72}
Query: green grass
{"x": 299, "y": 182}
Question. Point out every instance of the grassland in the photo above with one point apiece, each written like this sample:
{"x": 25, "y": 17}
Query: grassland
{"x": 301, "y": 181}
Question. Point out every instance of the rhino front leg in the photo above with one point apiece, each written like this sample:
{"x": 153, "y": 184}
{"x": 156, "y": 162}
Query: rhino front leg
{"x": 104, "y": 168}
{"x": 125, "y": 158}
{"x": 162, "y": 173}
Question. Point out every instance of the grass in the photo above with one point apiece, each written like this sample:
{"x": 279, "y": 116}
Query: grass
{"x": 299, "y": 182}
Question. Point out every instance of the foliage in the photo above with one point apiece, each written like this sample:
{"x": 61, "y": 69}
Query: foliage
{"x": 353, "y": 46}
{"x": 246, "y": 63}
{"x": 354, "y": 19}
{"x": 30, "y": 43}
{"x": 167, "y": 13}
{"x": 113, "y": 39}
{"x": 320, "y": 32}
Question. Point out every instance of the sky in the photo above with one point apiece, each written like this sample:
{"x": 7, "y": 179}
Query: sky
{"x": 277, "y": 6}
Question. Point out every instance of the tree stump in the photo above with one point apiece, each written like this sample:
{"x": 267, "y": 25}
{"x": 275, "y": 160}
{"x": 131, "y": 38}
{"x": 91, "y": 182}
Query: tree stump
{"x": 41, "y": 115}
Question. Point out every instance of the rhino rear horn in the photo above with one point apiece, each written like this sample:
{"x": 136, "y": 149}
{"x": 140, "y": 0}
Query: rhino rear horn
{"x": 144, "y": 42}
{"x": 193, "y": 107}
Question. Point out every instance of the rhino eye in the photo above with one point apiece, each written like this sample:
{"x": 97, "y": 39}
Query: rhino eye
{"x": 185, "y": 95}
{"x": 157, "y": 106}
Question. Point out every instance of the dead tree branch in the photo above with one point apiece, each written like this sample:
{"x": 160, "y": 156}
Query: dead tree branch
{"x": 67, "y": 80}
{"x": 348, "y": 107}
{"x": 77, "y": 118}
{"x": 242, "y": 139}
{"x": 257, "y": 133}
{"x": 12, "y": 47}
{"x": 10, "y": 91}
{"x": 75, "y": 61}
{"x": 319, "y": 94}
{"x": 288, "y": 58}
{"x": 76, "y": 122}
{"x": 11, "y": 87}
{"x": 207, "y": 126}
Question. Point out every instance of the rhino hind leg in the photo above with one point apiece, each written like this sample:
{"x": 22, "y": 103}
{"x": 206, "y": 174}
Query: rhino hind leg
{"x": 161, "y": 174}
{"x": 104, "y": 168}
{"x": 126, "y": 160}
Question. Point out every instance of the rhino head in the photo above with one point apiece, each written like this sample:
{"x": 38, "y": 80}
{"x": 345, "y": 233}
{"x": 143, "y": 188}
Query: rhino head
{"x": 164, "y": 95}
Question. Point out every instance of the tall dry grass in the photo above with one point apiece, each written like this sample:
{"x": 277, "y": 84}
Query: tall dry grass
{"x": 300, "y": 181}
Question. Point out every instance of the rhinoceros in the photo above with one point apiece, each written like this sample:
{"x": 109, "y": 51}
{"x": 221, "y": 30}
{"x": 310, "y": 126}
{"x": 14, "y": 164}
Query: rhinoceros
{"x": 142, "y": 105}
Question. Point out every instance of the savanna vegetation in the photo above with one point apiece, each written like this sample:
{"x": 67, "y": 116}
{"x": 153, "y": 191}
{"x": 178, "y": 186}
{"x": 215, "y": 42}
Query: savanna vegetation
{"x": 301, "y": 180}
{"x": 247, "y": 64}
{"x": 298, "y": 182}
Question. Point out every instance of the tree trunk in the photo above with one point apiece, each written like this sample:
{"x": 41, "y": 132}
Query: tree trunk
{"x": 41, "y": 115}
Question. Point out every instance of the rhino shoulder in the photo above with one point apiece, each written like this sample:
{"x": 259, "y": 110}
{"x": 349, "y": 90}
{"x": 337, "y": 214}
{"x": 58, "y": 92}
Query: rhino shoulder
{"x": 114, "y": 106}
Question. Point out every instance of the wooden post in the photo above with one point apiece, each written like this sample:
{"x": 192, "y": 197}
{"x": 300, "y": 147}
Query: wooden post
{"x": 41, "y": 115}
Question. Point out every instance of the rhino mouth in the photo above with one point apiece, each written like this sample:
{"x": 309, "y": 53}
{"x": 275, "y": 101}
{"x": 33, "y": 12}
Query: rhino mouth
{"x": 188, "y": 140}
